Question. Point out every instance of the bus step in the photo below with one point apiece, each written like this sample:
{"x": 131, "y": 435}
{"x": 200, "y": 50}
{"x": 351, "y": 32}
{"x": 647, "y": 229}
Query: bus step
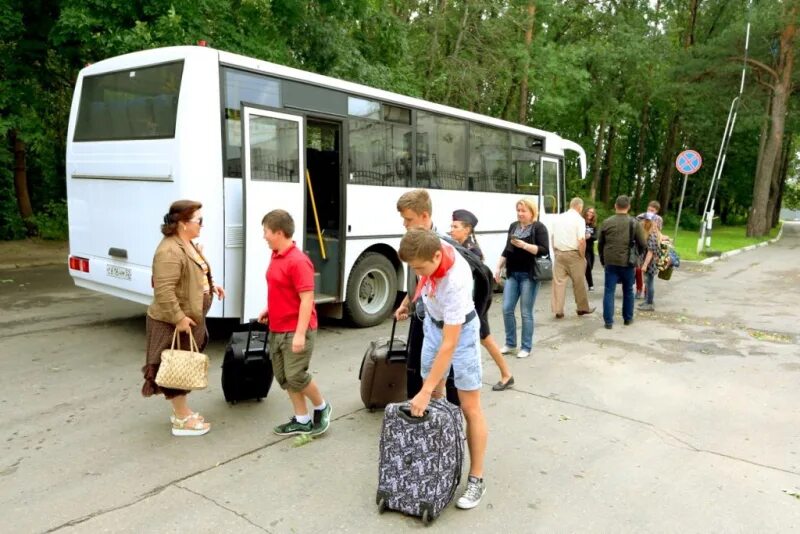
{"x": 322, "y": 298}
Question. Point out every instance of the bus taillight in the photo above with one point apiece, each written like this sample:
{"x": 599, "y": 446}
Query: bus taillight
{"x": 79, "y": 264}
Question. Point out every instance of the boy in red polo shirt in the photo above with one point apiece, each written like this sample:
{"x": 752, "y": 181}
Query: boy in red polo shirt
{"x": 292, "y": 321}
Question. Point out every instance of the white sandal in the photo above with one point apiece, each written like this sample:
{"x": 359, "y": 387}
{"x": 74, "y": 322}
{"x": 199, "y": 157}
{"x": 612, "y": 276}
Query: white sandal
{"x": 173, "y": 417}
{"x": 182, "y": 427}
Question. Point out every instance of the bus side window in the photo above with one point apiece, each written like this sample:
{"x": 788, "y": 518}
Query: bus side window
{"x": 165, "y": 109}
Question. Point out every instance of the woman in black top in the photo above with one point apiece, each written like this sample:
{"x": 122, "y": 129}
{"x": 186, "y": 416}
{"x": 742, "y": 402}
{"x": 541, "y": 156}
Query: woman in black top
{"x": 590, "y": 215}
{"x": 462, "y": 230}
{"x": 527, "y": 239}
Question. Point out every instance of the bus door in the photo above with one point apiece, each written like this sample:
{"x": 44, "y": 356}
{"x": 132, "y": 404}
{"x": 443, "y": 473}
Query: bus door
{"x": 550, "y": 189}
{"x": 323, "y": 239}
{"x": 274, "y": 161}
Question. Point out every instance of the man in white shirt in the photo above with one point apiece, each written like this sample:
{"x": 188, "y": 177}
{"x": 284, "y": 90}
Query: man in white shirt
{"x": 569, "y": 243}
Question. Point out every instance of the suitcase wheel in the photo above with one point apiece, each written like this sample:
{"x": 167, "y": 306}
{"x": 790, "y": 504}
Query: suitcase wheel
{"x": 381, "y": 505}
{"x": 234, "y": 402}
{"x": 259, "y": 399}
{"x": 426, "y": 517}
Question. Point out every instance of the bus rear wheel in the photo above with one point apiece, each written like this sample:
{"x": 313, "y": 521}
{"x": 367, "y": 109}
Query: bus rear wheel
{"x": 371, "y": 290}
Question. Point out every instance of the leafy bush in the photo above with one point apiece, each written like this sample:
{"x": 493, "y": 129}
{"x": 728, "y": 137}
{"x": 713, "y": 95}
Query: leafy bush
{"x": 52, "y": 222}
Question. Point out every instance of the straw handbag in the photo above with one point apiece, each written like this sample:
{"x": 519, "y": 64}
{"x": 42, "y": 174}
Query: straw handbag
{"x": 183, "y": 369}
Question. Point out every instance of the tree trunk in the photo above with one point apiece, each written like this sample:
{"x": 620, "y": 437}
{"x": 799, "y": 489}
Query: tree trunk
{"x": 608, "y": 166}
{"x": 434, "y": 53}
{"x": 667, "y": 164}
{"x": 21, "y": 181}
{"x": 598, "y": 158}
{"x": 454, "y": 55}
{"x": 764, "y": 126}
{"x": 776, "y": 188}
{"x": 757, "y": 222}
{"x": 523, "y": 88}
{"x": 637, "y": 197}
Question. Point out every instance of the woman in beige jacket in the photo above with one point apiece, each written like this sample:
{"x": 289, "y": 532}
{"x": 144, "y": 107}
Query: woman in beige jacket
{"x": 182, "y": 292}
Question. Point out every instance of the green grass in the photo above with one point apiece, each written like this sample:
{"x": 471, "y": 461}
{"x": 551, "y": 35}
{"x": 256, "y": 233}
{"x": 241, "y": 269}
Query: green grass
{"x": 723, "y": 239}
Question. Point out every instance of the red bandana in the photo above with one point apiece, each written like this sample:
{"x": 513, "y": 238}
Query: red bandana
{"x": 448, "y": 259}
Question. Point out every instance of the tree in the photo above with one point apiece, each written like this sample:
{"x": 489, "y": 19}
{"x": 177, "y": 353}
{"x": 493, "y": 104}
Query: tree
{"x": 780, "y": 86}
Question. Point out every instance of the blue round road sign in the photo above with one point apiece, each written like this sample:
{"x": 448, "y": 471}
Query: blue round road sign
{"x": 689, "y": 161}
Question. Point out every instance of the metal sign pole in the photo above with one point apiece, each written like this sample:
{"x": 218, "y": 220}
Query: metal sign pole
{"x": 680, "y": 208}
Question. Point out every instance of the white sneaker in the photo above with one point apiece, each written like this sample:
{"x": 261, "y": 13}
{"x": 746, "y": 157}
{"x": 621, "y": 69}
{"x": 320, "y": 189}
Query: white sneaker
{"x": 507, "y": 350}
{"x": 523, "y": 354}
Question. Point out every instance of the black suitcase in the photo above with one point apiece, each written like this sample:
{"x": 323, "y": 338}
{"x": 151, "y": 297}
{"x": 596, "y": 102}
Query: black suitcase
{"x": 420, "y": 459}
{"x": 246, "y": 368}
{"x": 383, "y": 372}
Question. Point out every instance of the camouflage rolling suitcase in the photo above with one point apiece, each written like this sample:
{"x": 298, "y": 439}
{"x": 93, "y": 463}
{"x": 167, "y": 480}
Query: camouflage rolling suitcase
{"x": 420, "y": 459}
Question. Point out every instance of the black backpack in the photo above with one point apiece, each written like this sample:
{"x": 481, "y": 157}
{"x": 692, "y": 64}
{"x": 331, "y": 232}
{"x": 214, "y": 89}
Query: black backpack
{"x": 482, "y": 277}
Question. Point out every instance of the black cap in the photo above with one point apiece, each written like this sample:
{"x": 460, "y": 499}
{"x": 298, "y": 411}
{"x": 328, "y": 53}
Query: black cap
{"x": 466, "y": 217}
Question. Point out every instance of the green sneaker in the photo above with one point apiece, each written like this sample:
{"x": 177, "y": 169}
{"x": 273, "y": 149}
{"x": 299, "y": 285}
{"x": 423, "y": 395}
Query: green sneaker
{"x": 322, "y": 420}
{"x": 293, "y": 427}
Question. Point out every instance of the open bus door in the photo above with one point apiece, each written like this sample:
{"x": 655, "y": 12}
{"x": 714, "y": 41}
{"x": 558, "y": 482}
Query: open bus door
{"x": 550, "y": 193}
{"x": 274, "y": 166}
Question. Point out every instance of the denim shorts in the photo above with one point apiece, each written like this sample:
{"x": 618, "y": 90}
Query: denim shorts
{"x": 466, "y": 361}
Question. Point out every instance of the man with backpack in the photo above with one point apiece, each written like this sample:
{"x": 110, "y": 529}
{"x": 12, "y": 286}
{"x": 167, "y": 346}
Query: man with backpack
{"x": 619, "y": 245}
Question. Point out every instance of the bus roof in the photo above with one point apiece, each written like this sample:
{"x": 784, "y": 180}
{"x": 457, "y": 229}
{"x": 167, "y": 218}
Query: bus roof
{"x": 554, "y": 142}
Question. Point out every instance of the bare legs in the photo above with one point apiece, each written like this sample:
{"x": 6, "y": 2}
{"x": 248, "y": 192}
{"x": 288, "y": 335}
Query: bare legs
{"x": 298, "y": 398}
{"x": 494, "y": 351}
{"x": 477, "y": 432}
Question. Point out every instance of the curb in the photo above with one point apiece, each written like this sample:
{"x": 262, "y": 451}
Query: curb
{"x": 30, "y": 264}
{"x": 734, "y": 252}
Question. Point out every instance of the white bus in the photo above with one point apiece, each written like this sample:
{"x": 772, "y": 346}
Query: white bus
{"x": 245, "y": 136}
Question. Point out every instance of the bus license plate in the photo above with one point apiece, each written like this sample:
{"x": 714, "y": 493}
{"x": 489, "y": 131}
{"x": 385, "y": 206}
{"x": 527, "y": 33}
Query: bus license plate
{"x": 115, "y": 271}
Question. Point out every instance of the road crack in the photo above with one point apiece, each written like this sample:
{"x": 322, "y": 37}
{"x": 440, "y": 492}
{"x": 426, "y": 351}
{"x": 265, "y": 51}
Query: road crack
{"x": 159, "y": 489}
{"x": 231, "y": 510}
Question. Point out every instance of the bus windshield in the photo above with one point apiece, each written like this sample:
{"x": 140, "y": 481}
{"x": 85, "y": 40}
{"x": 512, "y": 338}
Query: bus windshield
{"x": 139, "y": 103}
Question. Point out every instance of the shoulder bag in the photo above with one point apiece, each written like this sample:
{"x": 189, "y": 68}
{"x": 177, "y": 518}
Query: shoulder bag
{"x": 543, "y": 265}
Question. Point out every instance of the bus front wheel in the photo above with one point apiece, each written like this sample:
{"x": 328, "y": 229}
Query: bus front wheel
{"x": 371, "y": 290}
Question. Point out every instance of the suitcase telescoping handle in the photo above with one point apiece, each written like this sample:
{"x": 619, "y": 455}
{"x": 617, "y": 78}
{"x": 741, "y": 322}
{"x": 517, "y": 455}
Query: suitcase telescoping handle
{"x": 398, "y": 356}
{"x": 250, "y": 325}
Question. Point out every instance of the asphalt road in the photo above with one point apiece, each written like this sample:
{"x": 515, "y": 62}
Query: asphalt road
{"x": 686, "y": 421}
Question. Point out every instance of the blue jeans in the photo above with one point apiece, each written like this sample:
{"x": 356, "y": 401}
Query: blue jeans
{"x": 618, "y": 275}
{"x": 650, "y": 285}
{"x": 519, "y": 287}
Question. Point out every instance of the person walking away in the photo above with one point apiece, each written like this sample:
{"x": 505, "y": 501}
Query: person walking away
{"x": 650, "y": 263}
{"x": 569, "y": 242}
{"x": 451, "y": 340}
{"x": 617, "y": 235}
{"x": 462, "y": 230}
{"x": 182, "y": 293}
{"x": 590, "y": 216}
{"x": 527, "y": 239}
{"x": 652, "y": 208}
{"x": 292, "y": 320}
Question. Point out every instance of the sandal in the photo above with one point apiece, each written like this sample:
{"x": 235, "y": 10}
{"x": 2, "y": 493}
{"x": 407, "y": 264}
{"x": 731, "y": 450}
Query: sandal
{"x": 173, "y": 417}
{"x": 191, "y": 425}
